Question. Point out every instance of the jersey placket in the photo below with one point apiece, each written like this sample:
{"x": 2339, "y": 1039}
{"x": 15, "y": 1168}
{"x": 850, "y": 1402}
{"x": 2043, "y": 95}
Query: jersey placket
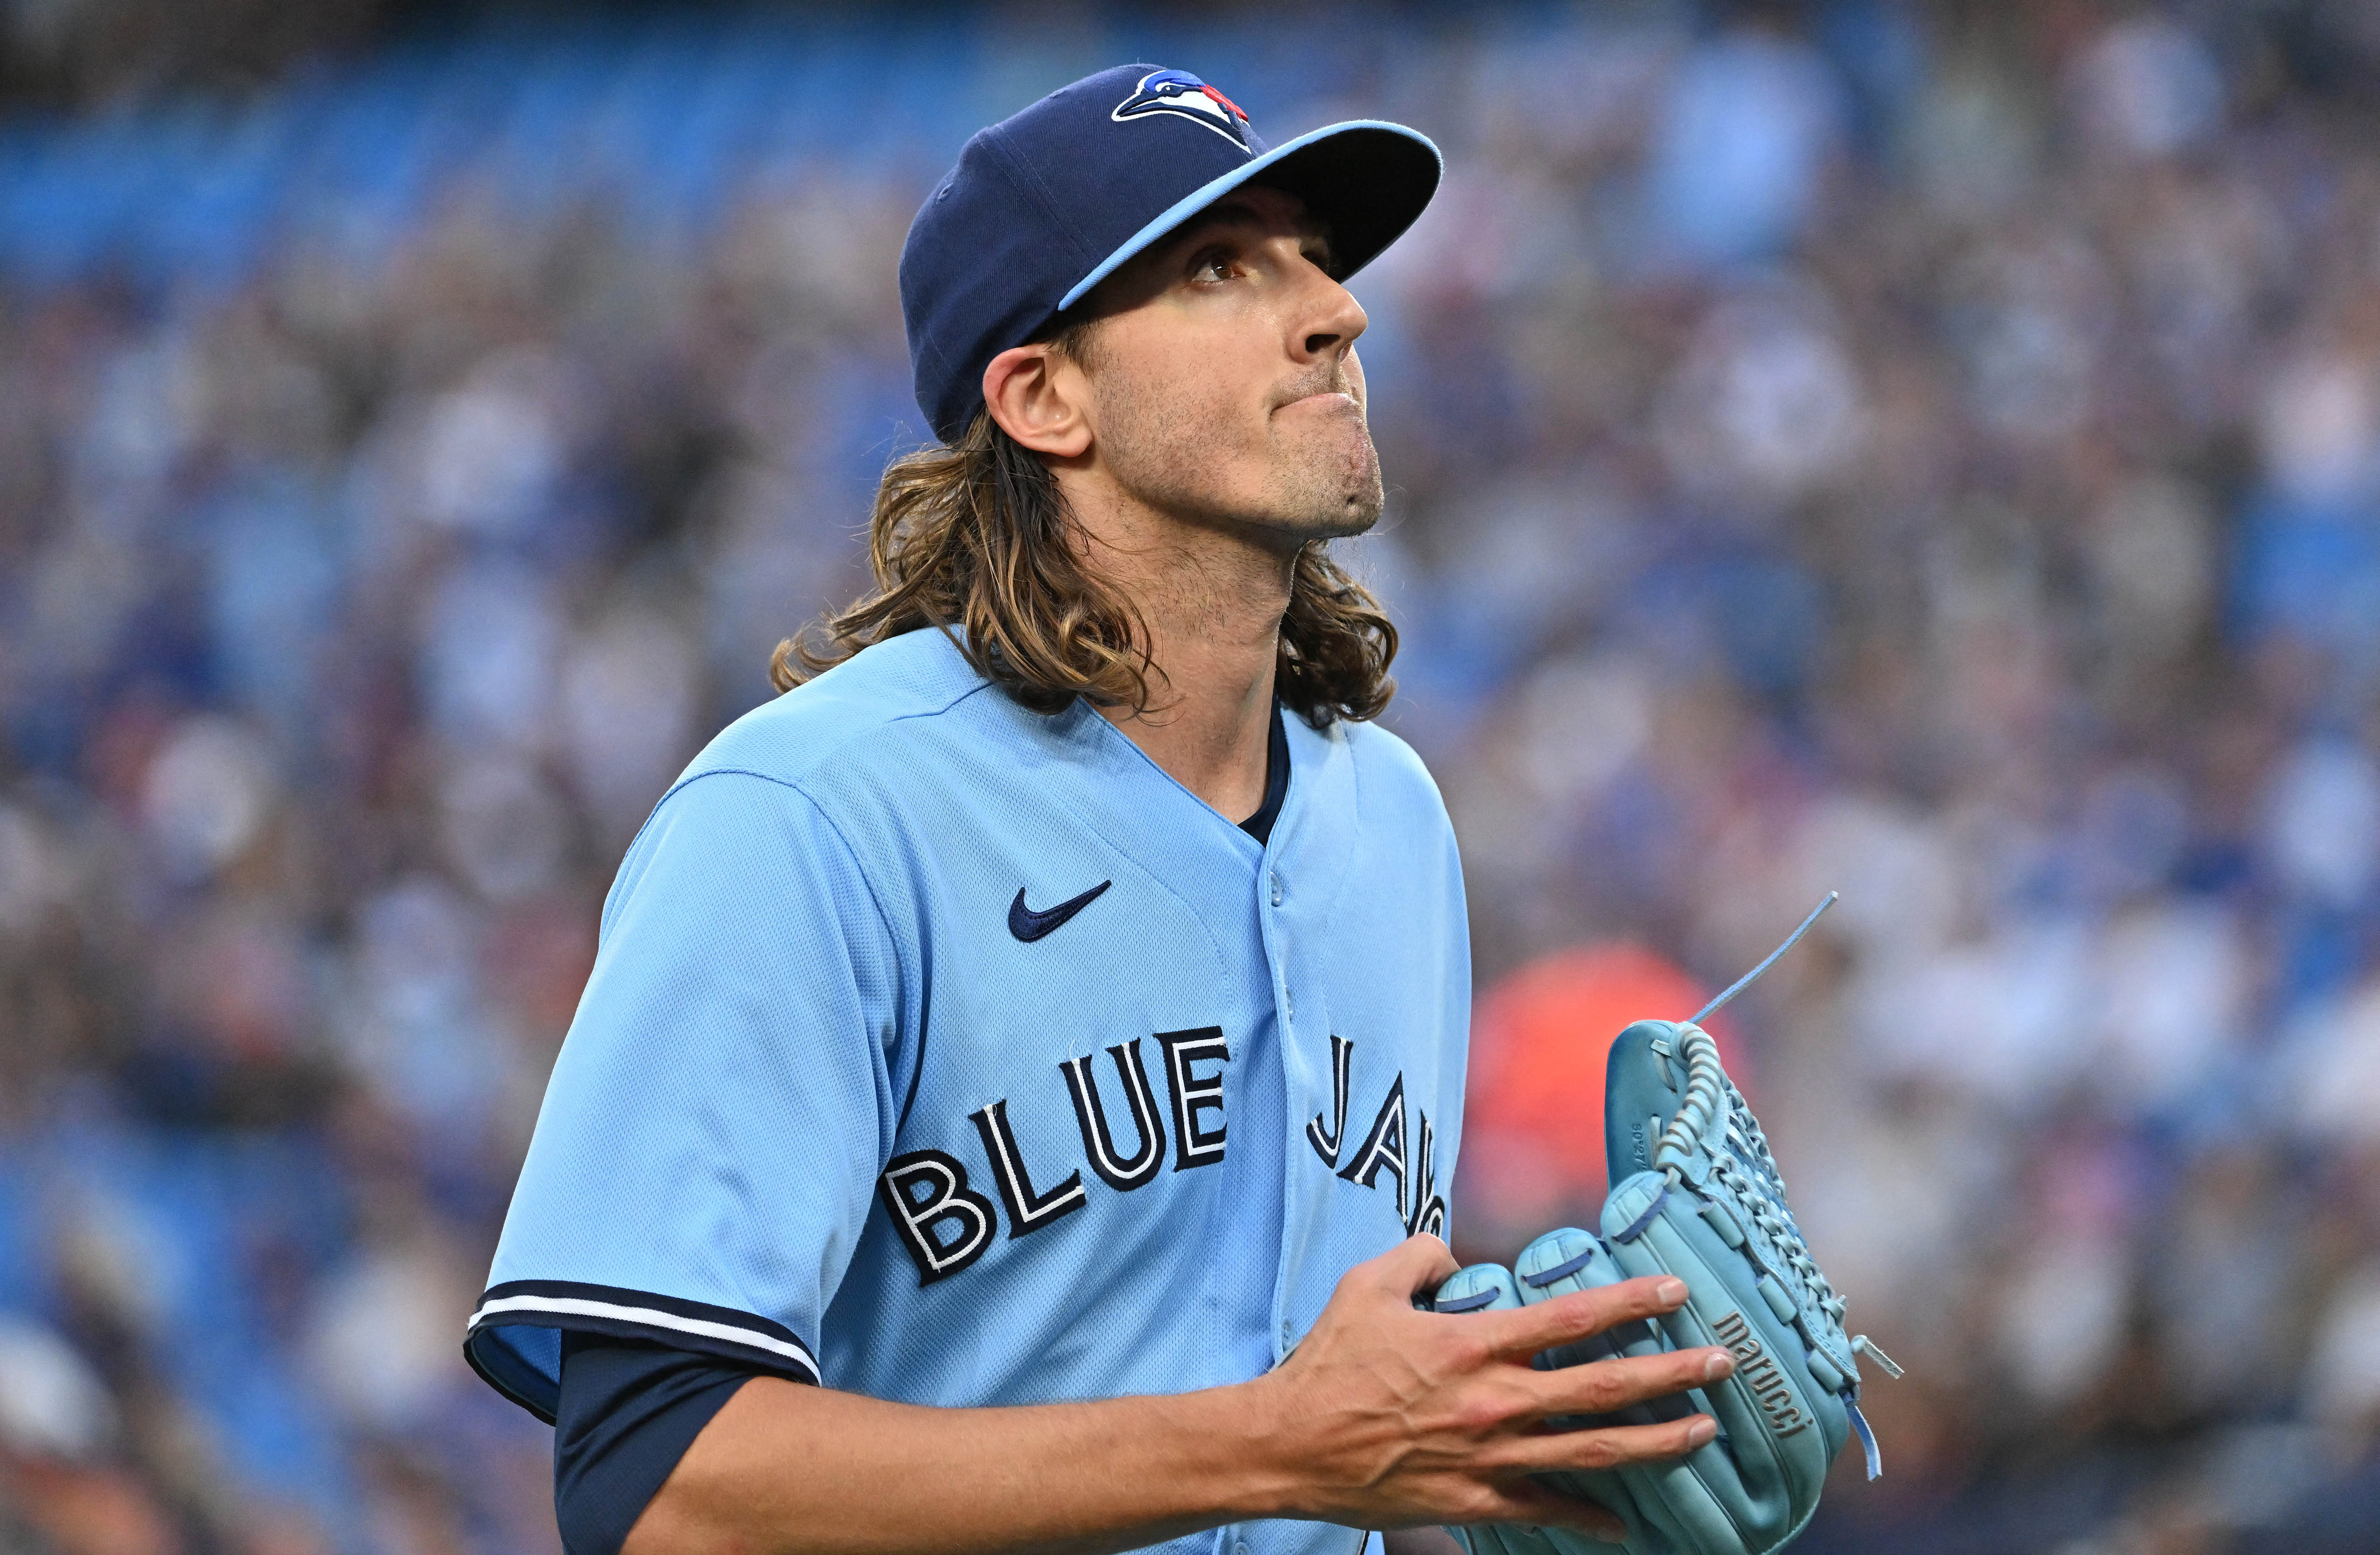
{"x": 1305, "y": 865}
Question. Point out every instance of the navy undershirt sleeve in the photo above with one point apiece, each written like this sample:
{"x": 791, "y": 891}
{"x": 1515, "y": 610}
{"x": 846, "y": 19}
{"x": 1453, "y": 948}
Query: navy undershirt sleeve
{"x": 627, "y": 1413}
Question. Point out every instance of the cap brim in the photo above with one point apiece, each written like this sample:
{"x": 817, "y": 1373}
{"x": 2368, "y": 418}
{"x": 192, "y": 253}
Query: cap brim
{"x": 1365, "y": 178}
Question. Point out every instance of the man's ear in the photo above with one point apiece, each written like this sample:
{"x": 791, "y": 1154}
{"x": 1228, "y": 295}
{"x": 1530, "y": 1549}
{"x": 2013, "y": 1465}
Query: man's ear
{"x": 1037, "y": 396}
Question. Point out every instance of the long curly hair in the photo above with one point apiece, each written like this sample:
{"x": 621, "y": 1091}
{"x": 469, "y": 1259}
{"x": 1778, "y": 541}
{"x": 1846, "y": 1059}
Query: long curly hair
{"x": 974, "y": 536}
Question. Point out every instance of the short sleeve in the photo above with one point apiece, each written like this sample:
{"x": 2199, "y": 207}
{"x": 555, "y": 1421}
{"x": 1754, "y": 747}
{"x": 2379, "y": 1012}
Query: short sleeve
{"x": 708, "y": 1149}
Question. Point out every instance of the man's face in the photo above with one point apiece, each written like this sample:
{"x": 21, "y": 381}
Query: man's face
{"x": 1224, "y": 383}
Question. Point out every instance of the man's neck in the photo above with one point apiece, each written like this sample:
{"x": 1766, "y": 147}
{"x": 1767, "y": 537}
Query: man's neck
{"x": 1212, "y": 601}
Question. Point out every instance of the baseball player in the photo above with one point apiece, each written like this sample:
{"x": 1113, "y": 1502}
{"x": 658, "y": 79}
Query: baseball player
{"x": 1012, "y": 1104}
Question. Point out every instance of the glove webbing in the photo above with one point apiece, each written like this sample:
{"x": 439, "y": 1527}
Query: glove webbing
{"x": 1711, "y": 1094}
{"x": 1746, "y": 1168}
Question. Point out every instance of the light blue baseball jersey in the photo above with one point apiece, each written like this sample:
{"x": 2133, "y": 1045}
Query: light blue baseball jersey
{"x": 950, "y": 1053}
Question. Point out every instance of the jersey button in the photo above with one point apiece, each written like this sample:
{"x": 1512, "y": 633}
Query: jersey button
{"x": 1276, "y": 888}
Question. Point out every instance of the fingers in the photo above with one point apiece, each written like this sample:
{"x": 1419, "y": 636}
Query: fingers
{"x": 1599, "y": 1387}
{"x": 1613, "y": 1446}
{"x": 1528, "y": 1503}
{"x": 1568, "y": 1317}
{"x": 1417, "y": 1264}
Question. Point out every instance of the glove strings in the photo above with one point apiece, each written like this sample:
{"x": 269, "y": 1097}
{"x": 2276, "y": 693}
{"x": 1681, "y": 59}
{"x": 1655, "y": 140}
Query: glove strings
{"x": 1743, "y": 1162}
{"x": 1714, "y": 1119}
{"x": 1711, "y": 1098}
{"x": 1761, "y": 1191}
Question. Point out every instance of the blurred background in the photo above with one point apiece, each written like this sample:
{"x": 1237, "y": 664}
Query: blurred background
{"x": 1930, "y": 451}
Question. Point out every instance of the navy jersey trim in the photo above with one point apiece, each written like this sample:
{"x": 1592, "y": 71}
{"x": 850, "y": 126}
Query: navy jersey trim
{"x": 622, "y": 1314}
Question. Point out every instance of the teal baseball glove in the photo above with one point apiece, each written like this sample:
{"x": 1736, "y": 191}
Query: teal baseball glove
{"x": 1698, "y": 1197}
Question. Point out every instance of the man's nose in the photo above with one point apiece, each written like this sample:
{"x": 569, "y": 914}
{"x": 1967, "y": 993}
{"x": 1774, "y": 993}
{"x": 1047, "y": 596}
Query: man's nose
{"x": 1333, "y": 319}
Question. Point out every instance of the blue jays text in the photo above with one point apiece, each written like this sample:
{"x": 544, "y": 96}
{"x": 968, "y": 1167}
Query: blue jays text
{"x": 946, "y": 1225}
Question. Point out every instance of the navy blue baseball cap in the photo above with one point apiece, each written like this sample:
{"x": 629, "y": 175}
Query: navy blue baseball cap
{"x": 1045, "y": 204}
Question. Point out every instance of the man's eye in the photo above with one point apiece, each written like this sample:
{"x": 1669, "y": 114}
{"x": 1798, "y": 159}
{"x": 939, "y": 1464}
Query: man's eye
{"x": 1216, "y": 266}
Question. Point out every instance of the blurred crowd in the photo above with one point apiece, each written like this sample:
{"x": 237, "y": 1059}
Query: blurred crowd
{"x": 1928, "y": 452}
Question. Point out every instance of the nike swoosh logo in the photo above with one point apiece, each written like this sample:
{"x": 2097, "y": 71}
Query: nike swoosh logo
{"x": 1029, "y": 926}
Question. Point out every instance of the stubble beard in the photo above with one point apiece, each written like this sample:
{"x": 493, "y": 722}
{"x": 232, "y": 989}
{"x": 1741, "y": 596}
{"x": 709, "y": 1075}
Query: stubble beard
{"x": 1168, "y": 452}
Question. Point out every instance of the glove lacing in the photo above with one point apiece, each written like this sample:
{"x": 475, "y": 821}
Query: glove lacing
{"x": 1746, "y": 1168}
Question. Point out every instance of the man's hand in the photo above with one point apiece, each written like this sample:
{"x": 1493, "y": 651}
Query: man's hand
{"x": 1387, "y": 1417}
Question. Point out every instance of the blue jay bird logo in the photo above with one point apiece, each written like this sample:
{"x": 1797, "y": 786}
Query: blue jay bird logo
{"x": 1179, "y": 91}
